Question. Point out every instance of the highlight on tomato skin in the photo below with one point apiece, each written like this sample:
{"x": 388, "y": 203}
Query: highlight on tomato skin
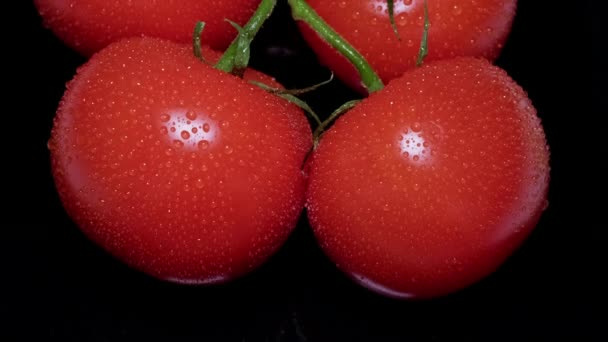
{"x": 89, "y": 25}
{"x": 458, "y": 28}
{"x": 427, "y": 186}
{"x": 181, "y": 171}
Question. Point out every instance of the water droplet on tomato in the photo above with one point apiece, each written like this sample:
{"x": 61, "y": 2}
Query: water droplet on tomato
{"x": 203, "y": 144}
{"x": 206, "y": 127}
{"x": 165, "y": 117}
{"x": 185, "y": 135}
{"x": 456, "y": 10}
{"x": 191, "y": 115}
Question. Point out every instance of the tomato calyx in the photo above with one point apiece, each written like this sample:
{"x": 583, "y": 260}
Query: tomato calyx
{"x": 236, "y": 55}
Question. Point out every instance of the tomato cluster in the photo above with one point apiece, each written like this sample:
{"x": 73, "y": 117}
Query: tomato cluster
{"x": 195, "y": 175}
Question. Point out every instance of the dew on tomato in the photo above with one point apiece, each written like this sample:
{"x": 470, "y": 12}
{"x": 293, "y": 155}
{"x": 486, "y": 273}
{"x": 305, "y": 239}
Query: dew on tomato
{"x": 189, "y": 129}
{"x": 458, "y": 28}
{"x": 430, "y": 184}
{"x": 89, "y": 25}
{"x": 157, "y": 163}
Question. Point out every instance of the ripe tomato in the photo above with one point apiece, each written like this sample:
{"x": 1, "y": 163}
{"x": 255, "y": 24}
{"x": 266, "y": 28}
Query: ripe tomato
{"x": 458, "y": 28}
{"x": 182, "y": 171}
{"x": 89, "y": 25}
{"x": 428, "y": 185}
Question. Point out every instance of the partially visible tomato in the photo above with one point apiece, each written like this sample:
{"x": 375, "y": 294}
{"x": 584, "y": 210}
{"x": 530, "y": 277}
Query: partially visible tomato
{"x": 430, "y": 184}
{"x": 182, "y": 171}
{"x": 89, "y": 25}
{"x": 458, "y": 28}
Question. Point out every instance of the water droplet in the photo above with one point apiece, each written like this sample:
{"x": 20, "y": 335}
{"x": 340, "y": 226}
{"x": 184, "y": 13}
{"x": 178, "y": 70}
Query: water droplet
{"x": 199, "y": 183}
{"x": 225, "y": 124}
{"x": 191, "y": 115}
{"x": 206, "y": 127}
{"x": 228, "y": 149}
{"x": 416, "y": 127}
{"x": 178, "y": 143}
{"x": 203, "y": 144}
{"x": 169, "y": 152}
{"x": 456, "y": 10}
{"x": 194, "y": 130}
{"x": 185, "y": 135}
{"x": 164, "y": 130}
{"x": 416, "y": 158}
{"x": 165, "y": 117}
{"x": 172, "y": 129}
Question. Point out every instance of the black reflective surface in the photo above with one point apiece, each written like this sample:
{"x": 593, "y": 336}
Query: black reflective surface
{"x": 58, "y": 286}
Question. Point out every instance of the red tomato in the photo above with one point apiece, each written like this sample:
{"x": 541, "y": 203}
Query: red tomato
{"x": 181, "y": 171}
{"x": 458, "y": 28}
{"x": 428, "y": 185}
{"x": 89, "y": 25}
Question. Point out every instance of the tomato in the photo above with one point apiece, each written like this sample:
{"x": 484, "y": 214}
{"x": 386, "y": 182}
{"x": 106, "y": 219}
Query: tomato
{"x": 181, "y": 171}
{"x": 89, "y": 25}
{"x": 458, "y": 28}
{"x": 429, "y": 185}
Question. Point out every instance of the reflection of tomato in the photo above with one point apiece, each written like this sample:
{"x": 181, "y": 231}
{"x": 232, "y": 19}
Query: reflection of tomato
{"x": 458, "y": 28}
{"x": 180, "y": 170}
{"x": 428, "y": 185}
{"x": 89, "y": 25}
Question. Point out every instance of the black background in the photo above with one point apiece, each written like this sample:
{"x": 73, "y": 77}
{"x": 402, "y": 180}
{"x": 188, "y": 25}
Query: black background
{"x": 59, "y": 286}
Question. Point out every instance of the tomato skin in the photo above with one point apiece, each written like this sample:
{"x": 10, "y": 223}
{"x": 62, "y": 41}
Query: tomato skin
{"x": 179, "y": 170}
{"x": 458, "y": 28}
{"x": 89, "y": 25}
{"x": 430, "y": 184}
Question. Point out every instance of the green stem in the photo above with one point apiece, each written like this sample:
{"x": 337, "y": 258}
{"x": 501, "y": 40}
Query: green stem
{"x": 300, "y": 10}
{"x": 391, "y": 16}
{"x": 226, "y": 63}
{"x": 424, "y": 43}
{"x": 196, "y": 40}
{"x": 316, "y": 136}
